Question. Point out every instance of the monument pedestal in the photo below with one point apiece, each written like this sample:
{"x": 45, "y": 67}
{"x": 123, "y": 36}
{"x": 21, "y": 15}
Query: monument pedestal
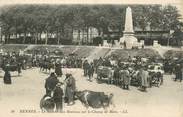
{"x": 116, "y": 43}
{"x": 129, "y": 40}
{"x": 105, "y": 44}
{"x": 156, "y": 44}
{"x": 142, "y": 42}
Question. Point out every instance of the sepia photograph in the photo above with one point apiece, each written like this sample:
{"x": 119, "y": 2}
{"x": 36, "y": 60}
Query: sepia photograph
{"x": 121, "y": 58}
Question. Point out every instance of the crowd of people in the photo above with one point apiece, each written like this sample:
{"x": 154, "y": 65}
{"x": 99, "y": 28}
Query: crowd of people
{"x": 60, "y": 92}
{"x": 18, "y": 61}
{"x": 133, "y": 71}
{"x": 174, "y": 65}
{"x": 88, "y": 68}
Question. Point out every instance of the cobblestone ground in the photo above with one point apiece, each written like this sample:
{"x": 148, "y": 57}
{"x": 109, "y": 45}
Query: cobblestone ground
{"x": 27, "y": 90}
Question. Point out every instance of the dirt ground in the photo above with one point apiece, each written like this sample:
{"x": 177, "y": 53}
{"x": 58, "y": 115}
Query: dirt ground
{"x": 27, "y": 90}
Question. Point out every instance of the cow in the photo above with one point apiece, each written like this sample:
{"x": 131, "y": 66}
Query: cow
{"x": 47, "y": 104}
{"x": 94, "y": 99}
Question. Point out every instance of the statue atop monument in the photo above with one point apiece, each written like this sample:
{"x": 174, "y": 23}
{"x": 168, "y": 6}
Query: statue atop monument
{"x": 128, "y": 34}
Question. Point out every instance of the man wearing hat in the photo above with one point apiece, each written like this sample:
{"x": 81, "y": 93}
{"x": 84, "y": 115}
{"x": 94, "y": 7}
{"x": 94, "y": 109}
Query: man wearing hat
{"x": 70, "y": 88}
{"x": 178, "y": 72}
{"x": 90, "y": 71}
{"x": 7, "y": 77}
{"x": 57, "y": 96}
{"x": 50, "y": 83}
{"x": 85, "y": 67}
{"x": 58, "y": 68}
{"x": 126, "y": 78}
{"x": 144, "y": 75}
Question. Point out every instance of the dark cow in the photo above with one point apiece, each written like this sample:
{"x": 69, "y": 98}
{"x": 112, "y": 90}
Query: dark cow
{"x": 47, "y": 104}
{"x": 94, "y": 99}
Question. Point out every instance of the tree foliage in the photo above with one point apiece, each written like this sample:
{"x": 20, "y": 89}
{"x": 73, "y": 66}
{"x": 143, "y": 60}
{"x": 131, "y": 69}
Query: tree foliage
{"x": 62, "y": 19}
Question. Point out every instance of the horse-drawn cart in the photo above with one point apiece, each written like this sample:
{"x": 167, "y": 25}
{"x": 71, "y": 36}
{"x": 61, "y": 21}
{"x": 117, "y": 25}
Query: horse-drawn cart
{"x": 156, "y": 74}
{"x": 105, "y": 73}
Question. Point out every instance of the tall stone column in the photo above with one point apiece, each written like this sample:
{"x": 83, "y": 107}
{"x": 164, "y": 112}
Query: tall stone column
{"x": 128, "y": 34}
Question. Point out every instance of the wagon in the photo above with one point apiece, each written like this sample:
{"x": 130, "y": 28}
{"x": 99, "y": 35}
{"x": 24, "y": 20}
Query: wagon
{"x": 156, "y": 68}
{"x": 105, "y": 73}
{"x": 135, "y": 78}
{"x": 156, "y": 74}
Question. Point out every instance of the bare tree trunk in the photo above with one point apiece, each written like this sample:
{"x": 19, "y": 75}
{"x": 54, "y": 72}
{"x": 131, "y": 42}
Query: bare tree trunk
{"x": 16, "y": 37}
{"x": 1, "y": 38}
{"x": 16, "y": 34}
{"x": 91, "y": 36}
{"x": 39, "y": 37}
{"x": 72, "y": 31}
{"x": 8, "y": 38}
{"x": 62, "y": 33}
{"x": 24, "y": 38}
{"x": 87, "y": 34}
{"x": 46, "y": 40}
{"x": 83, "y": 35}
{"x": 79, "y": 37}
{"x": 36, "y": 37}
{"x": 58, "y": 40}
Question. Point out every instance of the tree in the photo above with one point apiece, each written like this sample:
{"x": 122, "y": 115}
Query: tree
{"x": 61, "y": 20}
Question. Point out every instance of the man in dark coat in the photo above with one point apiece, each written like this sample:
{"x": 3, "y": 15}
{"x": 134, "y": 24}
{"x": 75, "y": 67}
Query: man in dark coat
{"x": 50, "y": 84}
{"x": 116, "y": 75}
{"x": 178, "y": 72}
{"x": 7, "y": 77}
{"x": 70, "y": 87}
{"x": 90, "y": 71}
{"x": 85, "y": 67}
{"x": 125, "y": 78}
{"x": 57, "y": 96}
{"x": 58, "y": 69}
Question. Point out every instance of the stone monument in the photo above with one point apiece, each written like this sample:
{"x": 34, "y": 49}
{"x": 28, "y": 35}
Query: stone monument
{"x": 128, "y": 34}
{"x": 156, "y": 44}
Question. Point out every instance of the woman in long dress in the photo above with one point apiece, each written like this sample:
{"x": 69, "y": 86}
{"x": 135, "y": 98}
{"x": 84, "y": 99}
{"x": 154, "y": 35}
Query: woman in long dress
{"x": 144, "y": 79}
{"x": 7, "y": 77}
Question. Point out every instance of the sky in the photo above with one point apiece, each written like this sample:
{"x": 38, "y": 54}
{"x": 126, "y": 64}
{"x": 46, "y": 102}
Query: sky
{"x": 177, "y": 3}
